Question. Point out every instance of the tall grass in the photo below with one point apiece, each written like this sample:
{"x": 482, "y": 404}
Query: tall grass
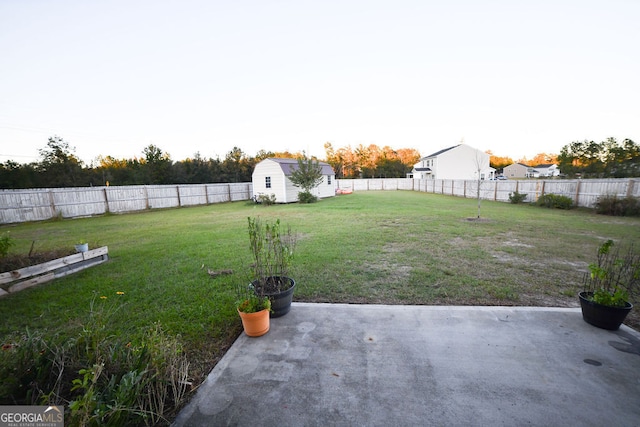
{"x": 372, "y": 247}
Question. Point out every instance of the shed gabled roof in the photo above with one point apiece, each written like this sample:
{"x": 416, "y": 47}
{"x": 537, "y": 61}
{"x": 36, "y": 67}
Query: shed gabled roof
{"x": 289, "y": 165}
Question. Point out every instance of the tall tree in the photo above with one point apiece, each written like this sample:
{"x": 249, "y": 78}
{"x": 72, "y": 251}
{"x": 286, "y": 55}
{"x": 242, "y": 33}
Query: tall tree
{"x": 237, "y": 167}
{"x": 157, "y": 166}
{"x": 59, "y": 166}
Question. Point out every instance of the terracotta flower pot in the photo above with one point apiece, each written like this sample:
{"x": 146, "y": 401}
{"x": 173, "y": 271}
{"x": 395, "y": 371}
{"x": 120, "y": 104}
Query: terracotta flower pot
{"x": 255, "y": 324}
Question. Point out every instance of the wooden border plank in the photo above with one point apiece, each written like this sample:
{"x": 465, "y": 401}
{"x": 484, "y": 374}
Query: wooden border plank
{"x": 31, "y": 282}
{"x": 34, "y": 270}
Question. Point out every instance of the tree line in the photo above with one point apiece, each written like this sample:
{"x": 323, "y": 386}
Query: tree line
{"x": 606, "y": 159}
{"x": 58, "y": 166}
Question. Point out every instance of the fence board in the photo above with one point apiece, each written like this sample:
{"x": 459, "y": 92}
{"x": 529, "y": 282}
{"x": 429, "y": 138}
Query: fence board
{"x": 162, "y": 196}
{"x": 191, "y": 195}
{"x": 23, "y": 206}
{"x": 78, "y": 202}
{"x": 126, "y": 199}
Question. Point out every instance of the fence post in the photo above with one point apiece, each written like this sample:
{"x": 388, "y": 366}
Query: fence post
{"x": 146, "y": 197}
{"x": 178, "y": 195}
{"x": 206, "y": 194}
{"x": 630, "y": 187}
{"x": 229, "y": 190}
{"x": 53, "y": 204}
{"x": 106, "y": 200}
{"x": 577, "y": 193}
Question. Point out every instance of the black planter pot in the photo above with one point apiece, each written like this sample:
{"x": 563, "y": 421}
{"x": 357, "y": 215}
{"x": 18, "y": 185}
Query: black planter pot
{"x": 602, "y": 316}
{"x": 280, "y": 300}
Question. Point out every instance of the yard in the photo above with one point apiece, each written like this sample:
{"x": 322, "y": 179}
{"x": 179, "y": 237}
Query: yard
{"x": 389, "y": 247}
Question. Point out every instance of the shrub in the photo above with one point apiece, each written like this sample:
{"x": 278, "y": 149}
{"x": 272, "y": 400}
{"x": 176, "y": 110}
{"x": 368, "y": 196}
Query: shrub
{"x": 266, "y": 199}
{"x": 516, "y": 197}
{"x": 306, "y": 197}
{"x": 5, "y": 243}
{"x": 612, "y": 205}
{"x": 555, "y": 201}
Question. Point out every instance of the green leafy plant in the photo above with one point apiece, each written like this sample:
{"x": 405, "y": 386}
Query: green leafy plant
{"x": 106, "y": 379}
{"x": 516, "y": 197}
{"x": 266, "y": 199}
{"x": 614, "y": 276}
{"x": 249, "y": 302}
{"x": 555, "y": 201}
{"x": 306, "y": 197}
{"x": 613, "y": 205}
{"x": 308, "y": 175}
{"x": 5, "y": 243}
{"x": 272, "y": 247}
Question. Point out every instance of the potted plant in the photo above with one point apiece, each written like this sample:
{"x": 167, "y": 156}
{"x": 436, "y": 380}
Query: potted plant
{"x": 254, "y": 311}
{"x": 82, "y": 246}
{"x": 608, "y": 285}
{"x": 272, "y": 247}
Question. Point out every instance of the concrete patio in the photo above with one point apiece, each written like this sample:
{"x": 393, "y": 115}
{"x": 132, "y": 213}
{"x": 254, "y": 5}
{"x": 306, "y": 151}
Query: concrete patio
{"x": 374, "y": 365}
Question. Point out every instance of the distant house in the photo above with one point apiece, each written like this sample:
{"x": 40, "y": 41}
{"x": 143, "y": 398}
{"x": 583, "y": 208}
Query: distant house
{"x": 546, "y": 170}
{"x": 518, "y": 170}
{"x": 271, "y": 176}
{"x": 458, "y": 162}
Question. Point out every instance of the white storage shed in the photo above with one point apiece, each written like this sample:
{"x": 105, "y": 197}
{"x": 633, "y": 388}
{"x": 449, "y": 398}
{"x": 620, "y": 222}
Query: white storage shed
{"x": 271, "y": 176}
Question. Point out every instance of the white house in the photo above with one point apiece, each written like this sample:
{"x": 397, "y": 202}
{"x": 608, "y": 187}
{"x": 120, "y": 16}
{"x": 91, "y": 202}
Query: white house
{"x": 546, "y": 170}
{"x": 271, "y": 176}
{"x": 458, "y": 162}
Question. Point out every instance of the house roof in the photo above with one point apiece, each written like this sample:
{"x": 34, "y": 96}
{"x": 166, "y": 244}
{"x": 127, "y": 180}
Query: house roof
{"x": 437, "y": 153}
{"x": 544, "y": 165}
{"x": 422, "y": 169}
{"x": 289, "y": 165}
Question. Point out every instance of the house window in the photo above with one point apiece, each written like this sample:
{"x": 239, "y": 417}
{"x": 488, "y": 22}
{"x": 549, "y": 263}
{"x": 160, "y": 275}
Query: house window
{"x": 267, "y": 181}
{"x": 329, "y": 179}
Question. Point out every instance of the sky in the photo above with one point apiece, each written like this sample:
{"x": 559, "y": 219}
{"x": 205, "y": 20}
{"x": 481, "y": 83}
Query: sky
{"x": 194, "y": 76}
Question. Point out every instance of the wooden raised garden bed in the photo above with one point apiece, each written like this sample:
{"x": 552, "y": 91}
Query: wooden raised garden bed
{"x": 23, "y": 278}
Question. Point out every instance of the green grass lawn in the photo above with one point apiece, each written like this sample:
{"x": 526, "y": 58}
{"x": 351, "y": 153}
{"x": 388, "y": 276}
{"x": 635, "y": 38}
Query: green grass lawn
{"x": 395, "y": 247}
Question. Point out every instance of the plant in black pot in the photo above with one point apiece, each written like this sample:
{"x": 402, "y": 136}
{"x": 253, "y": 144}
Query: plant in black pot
{"x": 272, "y": 246}
{"x": 611, "y": 281}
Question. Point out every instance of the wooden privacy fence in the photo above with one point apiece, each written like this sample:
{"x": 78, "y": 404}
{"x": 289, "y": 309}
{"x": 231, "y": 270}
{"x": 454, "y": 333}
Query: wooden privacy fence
{"x": 41, "y": 204}
{"x": 583, "y": 192}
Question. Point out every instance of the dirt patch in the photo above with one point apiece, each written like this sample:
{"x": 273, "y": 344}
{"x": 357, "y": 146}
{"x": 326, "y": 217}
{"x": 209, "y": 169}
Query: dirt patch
{"x": 476, "y": 219}
{"x": 516, "y": 244}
